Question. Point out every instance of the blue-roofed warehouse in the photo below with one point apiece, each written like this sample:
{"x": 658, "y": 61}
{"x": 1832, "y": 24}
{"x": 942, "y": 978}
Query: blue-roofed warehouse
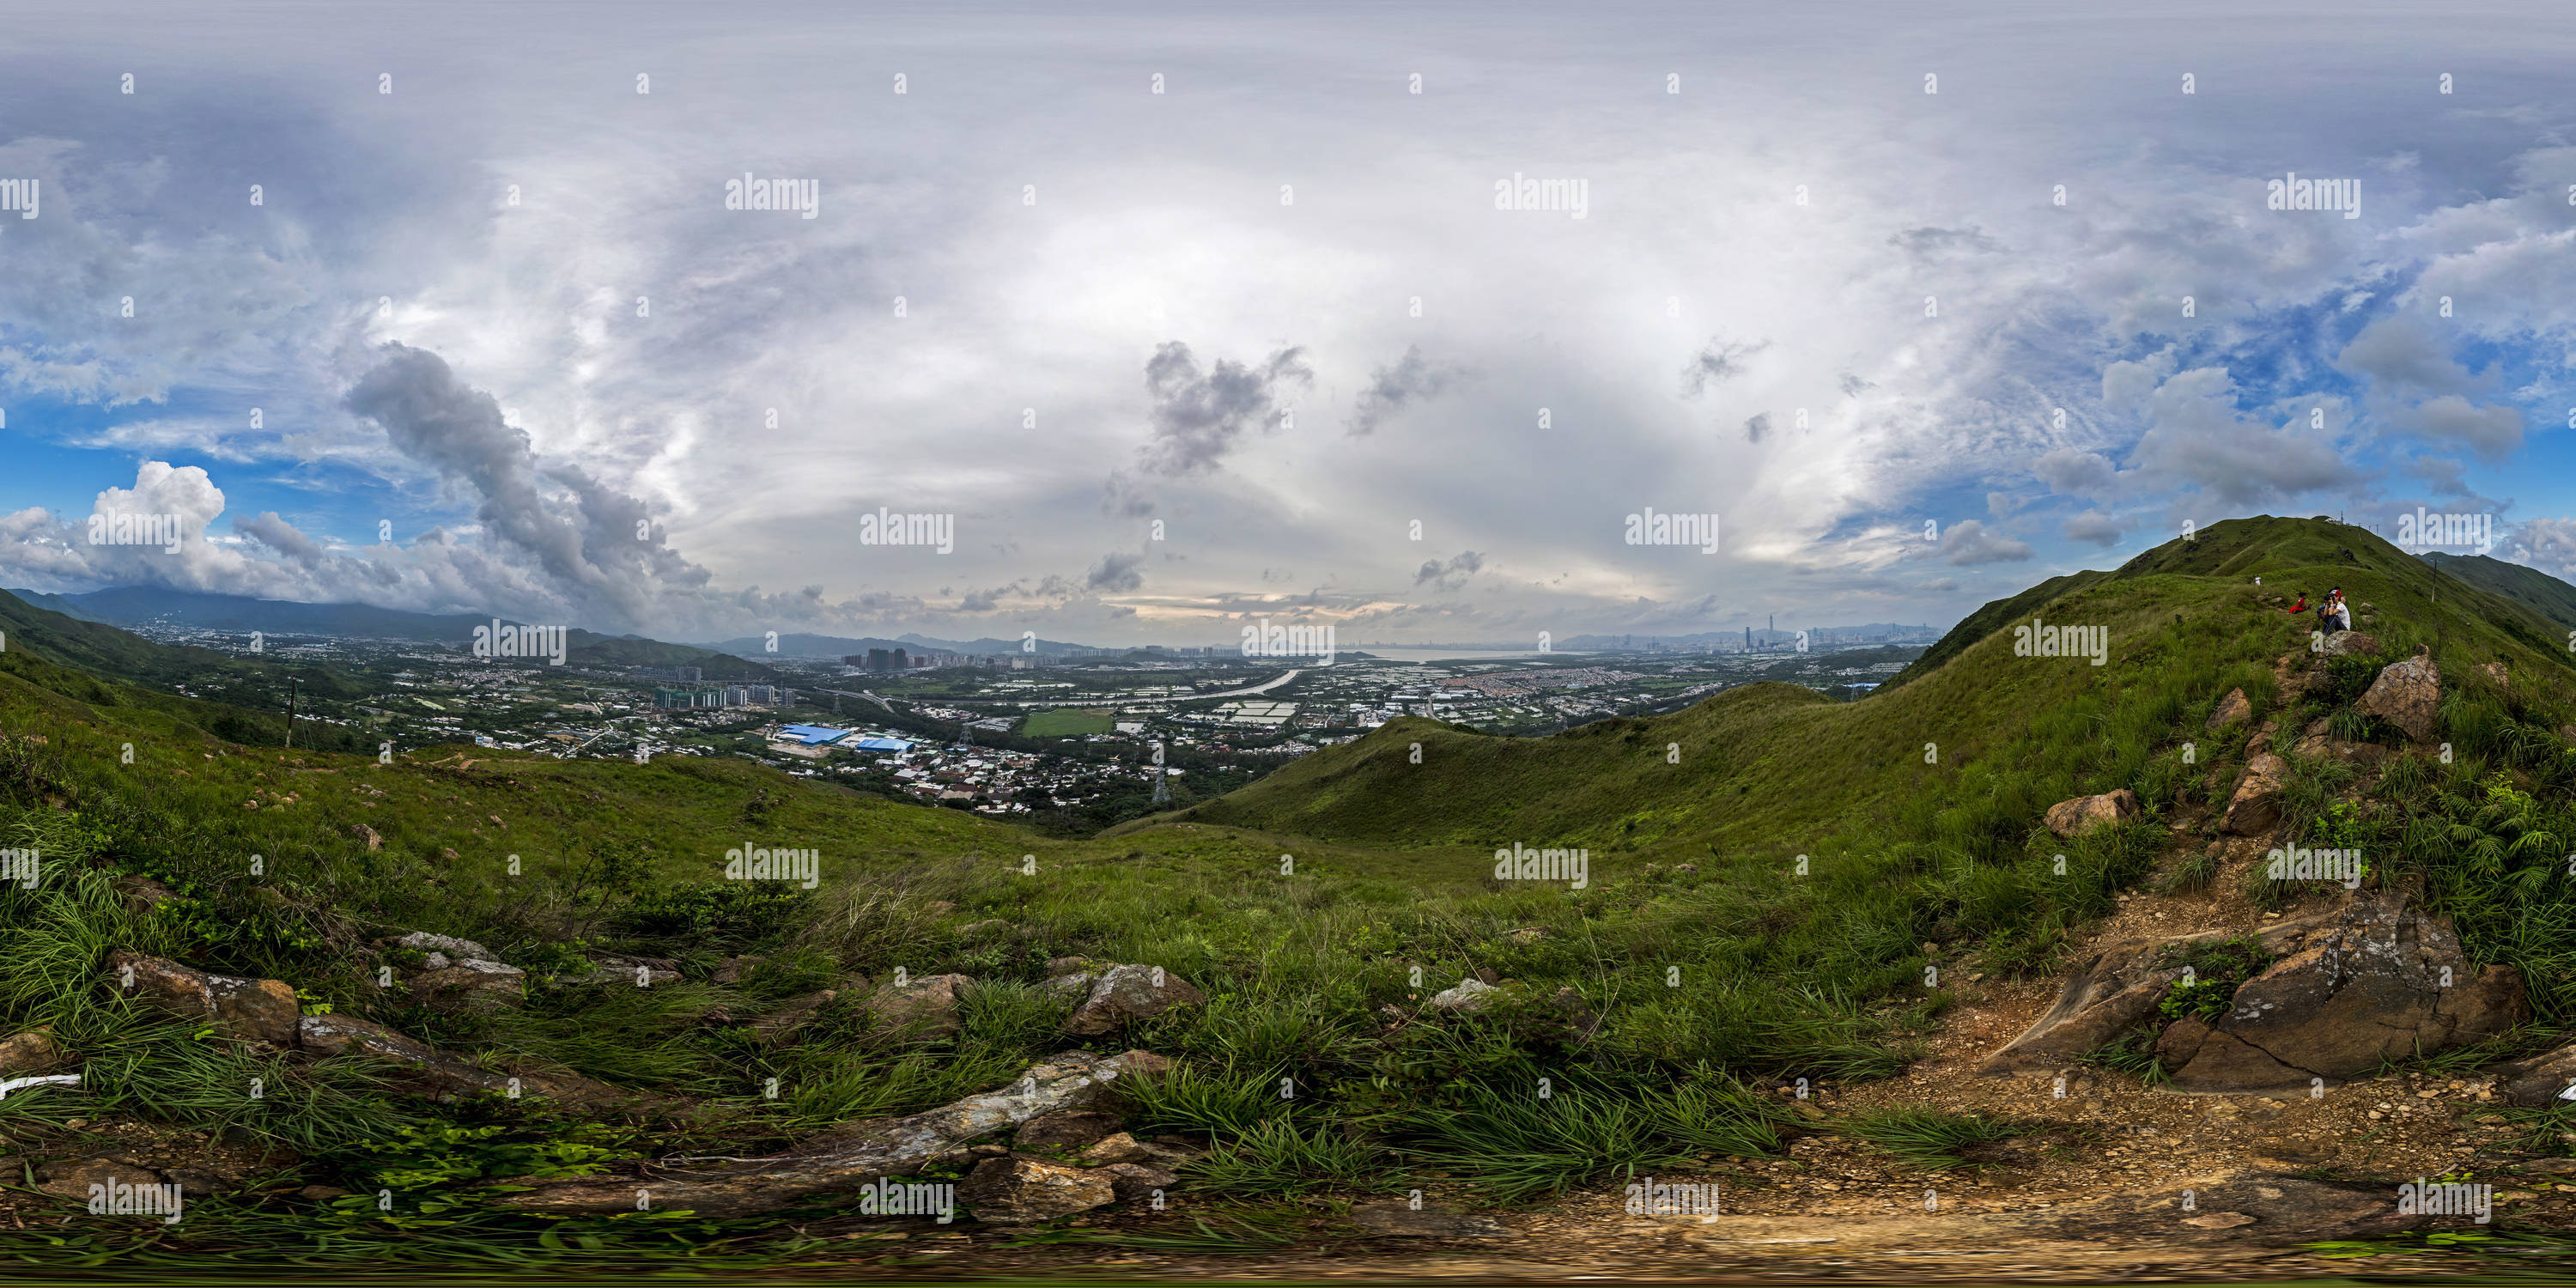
{"x": 812, "y": 735}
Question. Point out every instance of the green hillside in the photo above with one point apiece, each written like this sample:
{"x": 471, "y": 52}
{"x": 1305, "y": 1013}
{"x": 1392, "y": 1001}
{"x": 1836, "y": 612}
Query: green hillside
{"x": 627, "y": 650}
{"x": 1778, "y": 767}
{"x": 1765, "y": 870}
{"x": 112, "y": 668}
{"x": 2529, "y": 587}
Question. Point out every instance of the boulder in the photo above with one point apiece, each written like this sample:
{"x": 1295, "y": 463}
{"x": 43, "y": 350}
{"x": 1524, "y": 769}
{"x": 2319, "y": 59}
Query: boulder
{"x": 2349, "y": 986}
{"x": 2084, "y": 813}
{"x": 2543, "y": 1081}
{"x": 2408, "y": 695}
{"x": 421, "y": 941}
{"x": 845, "y": 1157}
{"x": 2358, "y": 986}
{"x": 1123, "y": 994}
{"x": 1025, "y": 1191}
{"x": 246, "y": 1010}
{"x": 925, "y": 1007}
{"x": 1469, "y": 995}
{"x": 368, "y": 834}
{"x": 2495, "y": 671}
{"x": 2254, "y": 809}
{"x": 2234, "y": 709}
{"x": 1069, "y": 1129}
{"x": 2353, "y": 644}
{"x": 32, "y": 1052}
{"x": 142, "y": 894}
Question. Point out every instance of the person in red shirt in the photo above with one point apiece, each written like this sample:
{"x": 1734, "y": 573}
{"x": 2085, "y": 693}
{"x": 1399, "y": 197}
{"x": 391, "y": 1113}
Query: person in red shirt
{"x": 2302, "y": 605}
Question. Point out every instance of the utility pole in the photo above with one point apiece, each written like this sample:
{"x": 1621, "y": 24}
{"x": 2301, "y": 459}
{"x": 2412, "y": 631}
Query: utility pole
{"x": 293, "y": 685}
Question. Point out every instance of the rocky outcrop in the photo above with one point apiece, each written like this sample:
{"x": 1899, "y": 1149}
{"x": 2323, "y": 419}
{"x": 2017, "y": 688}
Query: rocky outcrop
{"x": 845, "y": 1158}
{"x": 1123, "y": 994}
{"x": 2254, "y": 809}
{"x": 2408, "y": 695}
{"x": 1019, "y": 1190}
{"x": 245, "y": 1010}
{"x": 2374, "y": 979}
{"x": 2353, "y": 644}
{"x": 2085, "y": 813}
{"x": 2234, "y": 709}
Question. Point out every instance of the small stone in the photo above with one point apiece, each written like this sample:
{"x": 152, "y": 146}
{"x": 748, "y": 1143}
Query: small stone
{"x": 2218, "y": 1220}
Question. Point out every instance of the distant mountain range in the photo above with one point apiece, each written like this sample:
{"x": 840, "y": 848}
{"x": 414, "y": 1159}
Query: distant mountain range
{"x": 129, "y": 606}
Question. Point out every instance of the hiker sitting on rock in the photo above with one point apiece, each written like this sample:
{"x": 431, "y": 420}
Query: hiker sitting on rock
{"x": 2336, "y": 614}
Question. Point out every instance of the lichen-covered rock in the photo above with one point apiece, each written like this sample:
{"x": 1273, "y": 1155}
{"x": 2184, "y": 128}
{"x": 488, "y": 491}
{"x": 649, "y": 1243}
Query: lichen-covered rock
{"x": 846, "y": 1157}
{"x": 248, "y": 1010}
{"x": 1069, "y": 1129}
{"x": 1469, "y": 995}
{"x": 2382, "y": 980}
{"x": 2353, "y": 644}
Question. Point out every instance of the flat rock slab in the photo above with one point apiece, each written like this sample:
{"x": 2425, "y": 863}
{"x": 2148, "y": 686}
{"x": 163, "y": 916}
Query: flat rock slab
{"x": 248, "y": 1010}
{"x": 843, "y": 1159}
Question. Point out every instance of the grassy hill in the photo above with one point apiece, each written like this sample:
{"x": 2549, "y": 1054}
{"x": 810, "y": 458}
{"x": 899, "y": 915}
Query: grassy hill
{"x": 2529, "y": 587}
{"x": 633, "y": 650}
{"x": 1764, "y": 870}
{"x": 113, "y": 668}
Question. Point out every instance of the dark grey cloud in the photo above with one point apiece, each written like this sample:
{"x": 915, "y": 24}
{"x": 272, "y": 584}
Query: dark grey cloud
{"x": 1717, "y": 362}
{"x": 599, "y": 552}
{"x": 1391, "y": 388}
{"x": 1198, "y": 418}
{"x": 1757, "y": 426}
{"x": 1452, "y": 575}
{"x": 1118, "y": 572}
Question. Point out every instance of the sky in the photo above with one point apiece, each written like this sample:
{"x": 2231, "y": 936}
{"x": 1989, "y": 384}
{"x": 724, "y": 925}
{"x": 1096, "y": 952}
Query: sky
{"x": 1389, "y": 316}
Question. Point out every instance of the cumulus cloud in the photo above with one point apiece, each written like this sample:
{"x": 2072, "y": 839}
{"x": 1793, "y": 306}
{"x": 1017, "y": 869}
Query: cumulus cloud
{"x": 2069, "y": 472}
{"x": 2197, "y": 437}
{"x": 1967, "y": 543}
{"x": 1391, "y": 388}
{"x": 2548, "y": 545}
{"x": 1199, "y": 417}
{"x": 2095, "y": 527}
{"x": 2491, "y": 432}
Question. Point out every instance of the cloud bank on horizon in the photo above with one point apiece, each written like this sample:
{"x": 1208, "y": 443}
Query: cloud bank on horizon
{"x": 1371, "y": 315}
